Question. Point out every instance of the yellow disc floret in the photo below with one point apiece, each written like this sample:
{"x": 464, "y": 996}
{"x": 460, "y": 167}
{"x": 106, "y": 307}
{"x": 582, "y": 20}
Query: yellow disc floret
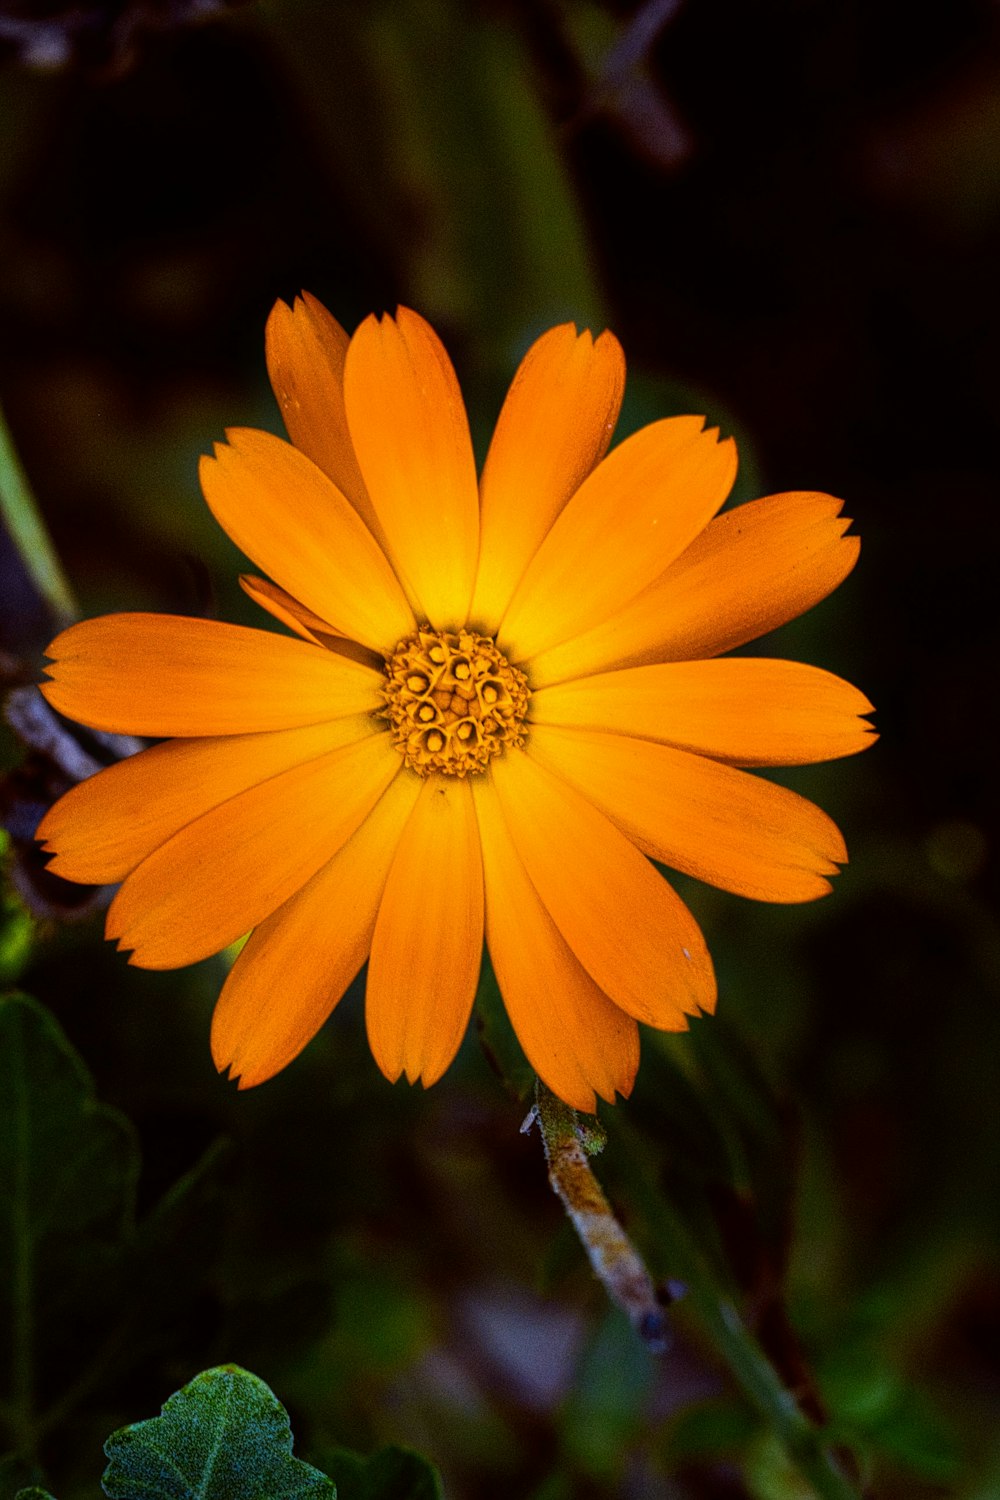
{"x": 453, "y": 701}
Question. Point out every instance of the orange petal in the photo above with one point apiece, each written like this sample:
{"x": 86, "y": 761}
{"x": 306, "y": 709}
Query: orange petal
{"x": 309, "y": 626}
{"x": 305, "y": 348}
{"x": 100, "y": 830}
{"x": 721, "y": 825}
{"x": 411, "y": 436}
{"x": 428, "y": 942}
{"x": 642, "y": 505}
{"x": 299, "y": 962}
{"x": 228, "y": 870}
{"x": 750, "y": 712}
{"x": 578, "y": 1042}
{"x": 280, "y": 604}
{"x": 166, "y": 675}
{"x": 630, "y": 930}
{"x": 292, "y": 521}
{"x": 752, "y": 569}
{"x": 555, "y": 425}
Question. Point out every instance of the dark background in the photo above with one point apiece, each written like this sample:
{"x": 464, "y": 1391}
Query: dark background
{"x": 789, "y": 213}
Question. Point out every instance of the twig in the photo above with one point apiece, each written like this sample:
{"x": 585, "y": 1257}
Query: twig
{"x": 615, "y": 1260}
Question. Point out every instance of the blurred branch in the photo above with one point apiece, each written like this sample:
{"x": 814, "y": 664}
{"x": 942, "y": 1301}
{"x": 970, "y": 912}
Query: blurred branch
{"x": 616, "y": 59}
{"x": 720, "y": 1319}
{"x": 24, "y": 522}
{"x": 615, "y": 1260}
{"x": 638, "y": 35}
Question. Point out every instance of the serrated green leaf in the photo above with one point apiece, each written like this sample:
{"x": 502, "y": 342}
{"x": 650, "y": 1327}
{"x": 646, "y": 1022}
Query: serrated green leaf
{"x": 224, "y": 1436}
{"x": 68, "y": 1167}
{"x": 391, "y": 1474}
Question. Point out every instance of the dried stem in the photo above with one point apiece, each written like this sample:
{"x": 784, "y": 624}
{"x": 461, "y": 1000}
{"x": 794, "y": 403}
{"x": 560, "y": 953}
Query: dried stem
{"x": 615, "y": 1260}
{"x": 568, "y": 1139}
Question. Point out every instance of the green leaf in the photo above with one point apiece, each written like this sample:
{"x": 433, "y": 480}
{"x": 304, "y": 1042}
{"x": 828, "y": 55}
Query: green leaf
{"x": 27, "y": 529}
{"x": 391, "y": 1474}
{"x": 225, "y": 1436}
{"x": 33, "y": 1494}
{"x": 67, "y": 1180}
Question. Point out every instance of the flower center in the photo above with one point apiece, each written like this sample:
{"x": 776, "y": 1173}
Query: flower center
{"x": 453, "y": 701}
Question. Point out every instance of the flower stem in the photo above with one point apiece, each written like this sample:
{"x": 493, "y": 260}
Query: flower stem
{"x": 802, "y": 1440}
{"x": 23, "y": 520}
{"x": 615, "y": 1260}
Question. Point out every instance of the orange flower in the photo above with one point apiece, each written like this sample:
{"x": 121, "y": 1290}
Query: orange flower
{"x": 504, "y": 699}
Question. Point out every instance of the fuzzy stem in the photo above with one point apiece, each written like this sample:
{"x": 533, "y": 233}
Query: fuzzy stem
{"x": 615, "y": 1260}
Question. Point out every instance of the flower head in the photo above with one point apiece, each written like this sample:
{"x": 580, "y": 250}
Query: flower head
{"x": 502, "y": 699}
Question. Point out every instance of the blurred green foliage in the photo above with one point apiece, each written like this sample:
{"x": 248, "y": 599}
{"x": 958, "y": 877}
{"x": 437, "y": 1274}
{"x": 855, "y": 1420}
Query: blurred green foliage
{"x": 391, "y": 1474}
{"x": 67, "y": 1185}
